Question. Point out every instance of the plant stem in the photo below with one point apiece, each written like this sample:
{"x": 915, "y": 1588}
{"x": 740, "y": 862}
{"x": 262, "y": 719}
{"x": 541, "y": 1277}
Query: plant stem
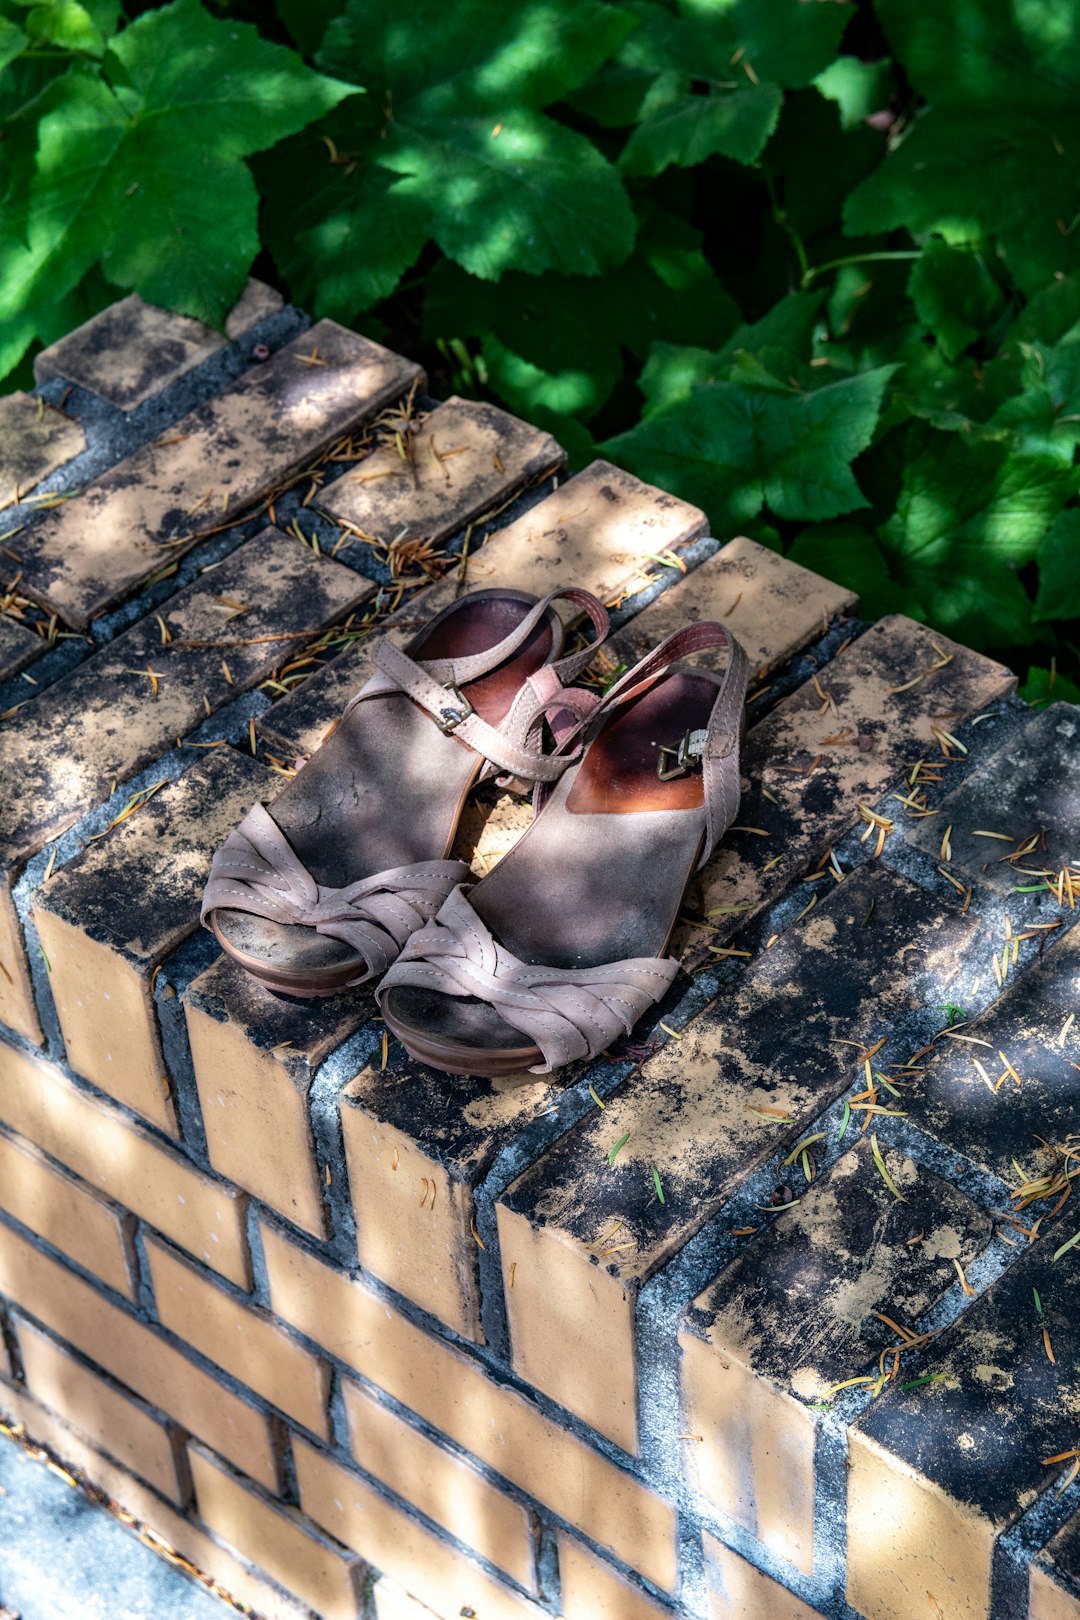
{"x": 857, "y": 258}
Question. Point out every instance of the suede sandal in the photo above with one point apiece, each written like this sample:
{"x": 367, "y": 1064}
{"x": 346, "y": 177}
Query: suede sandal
{"x": 561, "y": 947}
{"x": 322, "y": 890}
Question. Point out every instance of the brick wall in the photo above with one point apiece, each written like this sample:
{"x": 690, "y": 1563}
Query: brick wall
{"x": 359, "y": 1339}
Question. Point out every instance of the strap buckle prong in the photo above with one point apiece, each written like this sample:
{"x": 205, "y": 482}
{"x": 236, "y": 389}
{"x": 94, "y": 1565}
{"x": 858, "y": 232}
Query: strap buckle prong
{"x": 683, "y": 755}
{"x": 455, "y": 712}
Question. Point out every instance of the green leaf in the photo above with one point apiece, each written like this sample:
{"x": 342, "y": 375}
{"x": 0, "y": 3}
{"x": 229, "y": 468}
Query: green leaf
{"x": 1047, "y": 686}
{"x": 709, "y": 82}
{"x": 858, "y": 88}
{"x": 1059, "y": 570}
{"x": 459, "y": 91}
{"x": 69, "y": 26}
{"x": 1044, "y": 419}
{"x": 734, "y": 447}
{"x": 780, "y": 341}
{"x": 12, "y": 41}
{"x": 969, "y": 515}
{"x": 141, "y": 168}
{"x": 955, "y": 294}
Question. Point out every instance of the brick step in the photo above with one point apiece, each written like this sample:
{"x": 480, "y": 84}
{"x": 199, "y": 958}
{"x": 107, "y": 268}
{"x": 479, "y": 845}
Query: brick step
{"x": 585, "y": 1228}
{"x": 90, "y": 552}
{"x": 115, "y": 717}
{"x": 35, "y": 439}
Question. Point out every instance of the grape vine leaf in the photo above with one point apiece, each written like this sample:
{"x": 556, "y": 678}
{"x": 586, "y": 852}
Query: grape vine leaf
{"x": 955, "y": 294}
{"x": 139, "y": 167}
{"x": 996, "y": 153}
{"x": 1059, "y": 570}
{"x": 461, "y": 91}
{"x": 969, "y": 515}
{"x": 1043, "y": 416}
{"x": 735, "y": 447}
{"x": 848, "y": 554}
{"x": 12, "y": 41}
{"x": 709, "y": 81}
{"x": 1047, "y": 686}
{"x": 780, "y": 341}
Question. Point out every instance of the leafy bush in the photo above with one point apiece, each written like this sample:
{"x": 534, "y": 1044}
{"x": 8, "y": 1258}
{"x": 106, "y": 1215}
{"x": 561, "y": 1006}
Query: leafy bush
{"x": 813, "y": 265}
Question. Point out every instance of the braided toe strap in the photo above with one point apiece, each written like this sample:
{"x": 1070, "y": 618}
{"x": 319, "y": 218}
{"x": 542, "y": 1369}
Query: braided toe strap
{"x": 257, "y": 871}
{"x": 569, "y": 1013}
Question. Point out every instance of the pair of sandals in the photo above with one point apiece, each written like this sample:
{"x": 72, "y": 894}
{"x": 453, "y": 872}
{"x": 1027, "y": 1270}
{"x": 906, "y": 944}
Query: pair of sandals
{"x": 560, "y": 948}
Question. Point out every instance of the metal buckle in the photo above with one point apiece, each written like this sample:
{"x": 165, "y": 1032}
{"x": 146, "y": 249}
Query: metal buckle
{"x": 448, "y": 719}
{"x": 684, "y": 759}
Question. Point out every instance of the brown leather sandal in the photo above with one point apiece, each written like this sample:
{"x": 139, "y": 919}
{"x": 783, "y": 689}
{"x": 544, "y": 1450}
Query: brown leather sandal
{"x": 322, "y": 890}
{"x": 561, "y": 947}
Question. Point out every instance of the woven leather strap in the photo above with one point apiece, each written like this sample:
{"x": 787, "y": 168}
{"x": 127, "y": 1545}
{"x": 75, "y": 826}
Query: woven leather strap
{"x": 569, "y": 1013}
{"x": 257, "y": 871}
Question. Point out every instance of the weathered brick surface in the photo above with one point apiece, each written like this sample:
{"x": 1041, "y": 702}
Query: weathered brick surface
{"x": 462, "y": 461}
{"x": 131, "y": 351}
{"x": 593, "y": 1590}
{"x": 1054, "y": 1583}
{"x": 1027, "y": 787}
{"x": 774, "y": 606}
{"x": 66, "y": 1214}
{"x": 110, "y": 917}
{"x": 180, "y": 1531}
{"x": 115, "y": 1423}
{"x": 441, "y": 1484}
{"x": 738, "y": 1591}
{"x": 1030, "y": 1115}
{"x": 17, "y": 1009}
{"x": 818, "y": 757}
{"x": 120, "y": 1159}
{"x": 225, "y": 455}
{"x": 380, "y": 1533}
{"x": 392, "y": 1602}
{"x": 456, "y": 1396}
{"x": 595, "y": 531}
{"x": 418, "y": 1142}
{"x": 873, "y": 950}
{"x": 242, "y": 1338}
{"x": 275, "y": 1539}
{"x": 18, "y": 647}
{"x": 255, "y": 1056}
{"x": 35, "y": 439}
{"x": 938, "y": 1472}
{"x": 798, "y": 1313}
{"x": 111, "y": 720}
{"x": 136, "y": 1355}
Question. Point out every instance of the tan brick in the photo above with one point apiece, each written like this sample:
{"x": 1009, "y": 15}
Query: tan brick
{"x": 35, "y": 439}
{"x": 275, "y": 1539}
{"x": 203, "y": 1216}
{"x": 243, "y": 1339}
{"x": 178, "y": 1531}
{"x": 596, "y": 531}
{"x": 62, "y": 1211}
{"x": 738, "y": 1591}
{"x": 237, "y": 445}
{"x": 392, "y": 1602}
{"x": 441, "y": 1484}
{"x": 1054, "y": 1577}
{"x": 17, "y": 1009}
{"x": 428, "y": 1568}
{"x": 136, "y": 1355}
{"x": 592, "y": 1590}
{"x": 255, "y": 1058}
{"x": 110, "y": 916}
{"x": 116, "y": 1424}
{"x": 131, "y": 351}
{"x": 572, "y": 1306}
{"x": 808, "y": 769}
{"x": 456, "y": 1395}
{"x": 112, "y": 723}
{"x": 751, "y": 1372}
{"x": 465, "y": 459}
{"x": 18, "y": 647}
{"x": 774, "y": 606}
